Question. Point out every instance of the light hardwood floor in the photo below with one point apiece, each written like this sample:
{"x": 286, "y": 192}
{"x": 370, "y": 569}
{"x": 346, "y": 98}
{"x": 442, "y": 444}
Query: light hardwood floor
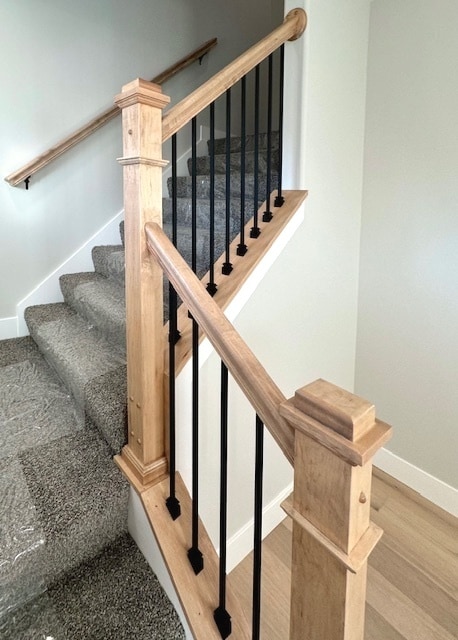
{"x": 412, "y": 591}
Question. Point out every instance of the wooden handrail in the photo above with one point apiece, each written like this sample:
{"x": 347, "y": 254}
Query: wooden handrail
{"x": 291, "y": 29}
{"x": 245, "y": 368}
{"x": 41, "y": 161}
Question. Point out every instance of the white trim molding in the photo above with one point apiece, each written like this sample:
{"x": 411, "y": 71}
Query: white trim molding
{"x": 441, "y": 494}
{"x": 8, "y": 328}
{"x": 241, "y": 543}
{"x": 48, "y": 290}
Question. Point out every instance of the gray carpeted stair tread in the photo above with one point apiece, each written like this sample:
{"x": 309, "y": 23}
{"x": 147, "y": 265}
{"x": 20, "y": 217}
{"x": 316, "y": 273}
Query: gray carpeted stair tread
{"x": 105, "y": 402}
{"x": 109, "y": 261}
{"x": 236, "y": 143}
{"x": 184, "y": 243}
{"x": 98, "y": 300}
{"x": 99, "y": 600}
{"x": 184, "y": 186}
{"x": 80, "y": 498}
{"x": 77, "y": 351}
{"x": 184, "y": 213}
{"x": 61, "y": 497}
{"x": 203, "y": 163}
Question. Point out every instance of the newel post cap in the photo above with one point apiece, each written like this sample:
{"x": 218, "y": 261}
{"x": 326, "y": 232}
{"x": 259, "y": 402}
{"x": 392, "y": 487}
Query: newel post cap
{"x": 143, "y": 92}
{"x": 339, "y": 420}
{"x": 340, "y": 410}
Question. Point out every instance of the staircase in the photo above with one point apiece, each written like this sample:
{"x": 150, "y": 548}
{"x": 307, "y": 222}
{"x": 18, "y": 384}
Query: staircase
{"x": 68, "y": 560}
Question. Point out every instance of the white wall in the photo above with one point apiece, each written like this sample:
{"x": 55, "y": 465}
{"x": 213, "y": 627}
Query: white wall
{"x": 62, "y": 64}
{"x": 407, "y": 354}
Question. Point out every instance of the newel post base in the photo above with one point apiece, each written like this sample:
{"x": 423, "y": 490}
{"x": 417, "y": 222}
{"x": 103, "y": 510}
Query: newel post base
{"x": 336, "y": 436}
{"x": 142, "y": 104}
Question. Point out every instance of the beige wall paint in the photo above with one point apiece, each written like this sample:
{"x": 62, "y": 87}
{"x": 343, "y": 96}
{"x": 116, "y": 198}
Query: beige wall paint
{"x": 407, "y": 352}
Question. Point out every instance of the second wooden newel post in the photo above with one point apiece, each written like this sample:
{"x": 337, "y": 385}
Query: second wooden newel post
{"x": 337, "y": 435}
{"x": 142, "y": 104}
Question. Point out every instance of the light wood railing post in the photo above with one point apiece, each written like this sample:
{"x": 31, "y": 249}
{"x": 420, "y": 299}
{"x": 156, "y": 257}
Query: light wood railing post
{"x": 142, "y": 103}
{"x": 336, "y": 437}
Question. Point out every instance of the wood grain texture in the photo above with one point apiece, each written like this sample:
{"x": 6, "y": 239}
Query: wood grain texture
{"x": 247, "y": 371}
{"x": 338, "y": 409}
{"x": 142, "y": 105}
{"x": 407, "y": 596}
{"x": 99, "y": 121}
{"x": 198, "y": 594}
{"x": 292, "y": 27}
{"x": 359, "y": 452}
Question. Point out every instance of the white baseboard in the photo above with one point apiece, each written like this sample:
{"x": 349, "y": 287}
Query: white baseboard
{"x": 431, "y": 488}
{"x": 241, "y": 543}
{"x": 48, "y": 290}
{"x": 8, "y": 328}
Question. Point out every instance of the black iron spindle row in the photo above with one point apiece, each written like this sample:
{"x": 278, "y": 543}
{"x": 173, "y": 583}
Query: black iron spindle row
{"x": 221, "y": 615}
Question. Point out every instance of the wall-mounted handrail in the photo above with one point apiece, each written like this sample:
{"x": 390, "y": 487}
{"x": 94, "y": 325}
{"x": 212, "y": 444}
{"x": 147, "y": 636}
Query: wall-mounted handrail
{"x": 41, "y": 161}
{"x": 247, "y": 371}
{"x": 292, "y": 28}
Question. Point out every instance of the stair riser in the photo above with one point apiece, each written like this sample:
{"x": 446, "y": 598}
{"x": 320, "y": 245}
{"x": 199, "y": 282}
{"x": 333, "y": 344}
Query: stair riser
{"x": 100, "y": 302}
{"x": 109, "y": 262}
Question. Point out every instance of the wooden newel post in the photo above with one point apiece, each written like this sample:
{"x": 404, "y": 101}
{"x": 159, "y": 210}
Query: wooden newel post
{"x": 142, "y": 103}
{"x": 337, "y": 435}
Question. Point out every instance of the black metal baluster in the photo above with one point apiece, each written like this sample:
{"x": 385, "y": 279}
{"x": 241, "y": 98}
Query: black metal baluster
{"x": 211, "y": 286}
{"x": 221, "y": 616}
{"x": 257, "y": 549}
{"x": 242, "y": 248}
{"x": 227, "y": 266}
{"x": 173, "y": 504}
{"x": 267, "y": 217}
{"x": 255, "y": 230}
{"x": 279, "y": 200}
{"x": 194, "y": 194}
{"x": 194, "y": 553}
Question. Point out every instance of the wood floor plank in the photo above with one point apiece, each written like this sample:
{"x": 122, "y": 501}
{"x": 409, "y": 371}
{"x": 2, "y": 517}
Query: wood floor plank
{"x": 377, "y": 627}
{"x": 276, "y": 580}
{"x": 412, "y": 577}
{"x": 416, "y": 540}
{"x": 423, "y": 591}
{"x": 400, "y": 612}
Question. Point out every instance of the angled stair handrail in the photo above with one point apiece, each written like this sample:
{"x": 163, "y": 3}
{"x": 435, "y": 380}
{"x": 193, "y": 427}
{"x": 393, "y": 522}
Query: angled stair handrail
{"x": 292, "y": 28}
{"x": 25, "y": 172}
{"x": 252, "y": 378}
{"x": 330, "y": 437}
